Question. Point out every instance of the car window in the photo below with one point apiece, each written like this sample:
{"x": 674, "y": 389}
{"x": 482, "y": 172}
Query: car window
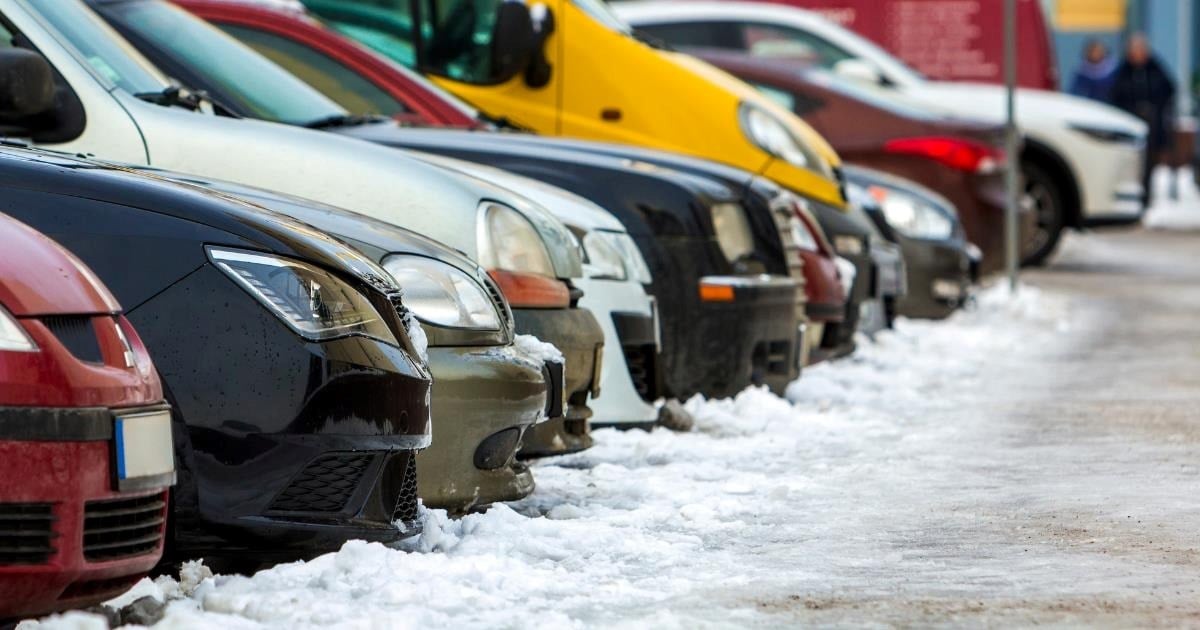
{"x": 772, "y": 40}
{"x": 106, "y": 52}
{"x": 328, "y": 75}
{"x": 259, "y": 87}
{"x": 696, "y": 34}
{"x": 459, "y": 45}
{"x": 383, "y": 25}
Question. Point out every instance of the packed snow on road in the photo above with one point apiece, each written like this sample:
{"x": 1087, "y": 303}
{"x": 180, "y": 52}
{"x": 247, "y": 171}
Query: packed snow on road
{"x": 765, "y": 499}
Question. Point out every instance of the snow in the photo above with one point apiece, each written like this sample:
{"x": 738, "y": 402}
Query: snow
{"x": 537, "y": 349}
{"x": 652, "y": 528}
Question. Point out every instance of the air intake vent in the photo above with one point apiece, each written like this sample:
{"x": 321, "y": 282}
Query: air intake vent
{"x": 640, "y": 361}
{"x": 119, "y": 528}
{"x": 325, "y": 485}
{"x": 501, "y": 304}
{"x": 406, "y": 504}
{"x": 77, "y": 334}
{"x": 26, "y": 533}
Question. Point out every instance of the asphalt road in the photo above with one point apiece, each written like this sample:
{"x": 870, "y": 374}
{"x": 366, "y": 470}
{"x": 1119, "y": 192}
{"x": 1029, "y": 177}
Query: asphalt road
{"x": 1068, "y": 492}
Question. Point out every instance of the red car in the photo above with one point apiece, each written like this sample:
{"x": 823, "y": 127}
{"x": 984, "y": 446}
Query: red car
{"x": 824, "y": 286}
{"x": 358, "y": 79}
{"x": 86, "y": 457}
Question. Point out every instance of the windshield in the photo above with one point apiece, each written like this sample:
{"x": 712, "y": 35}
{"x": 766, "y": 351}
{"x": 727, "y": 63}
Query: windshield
{"x": 257, "y": 87}
{"x": 893, "y": 68}
{"x": 98, "y": 46}
{"x": 602, "y": 13}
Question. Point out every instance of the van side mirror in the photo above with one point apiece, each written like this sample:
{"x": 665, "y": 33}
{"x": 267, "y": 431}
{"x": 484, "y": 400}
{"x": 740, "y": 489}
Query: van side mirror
{"x": 518, "y": 42}
{"x": 26, "y": 89}
{"x": 859, "y": 70}
{"x": 513, "y": 40}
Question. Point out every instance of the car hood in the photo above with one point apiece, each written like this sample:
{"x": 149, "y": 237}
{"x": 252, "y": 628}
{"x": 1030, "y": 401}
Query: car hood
{"x": 1034, "y": 107}
{"x": 571, "y": 209}
{"x": 253, "y": 226}
{"x": 64, "y": 286}
{"x": 377, "y": 239}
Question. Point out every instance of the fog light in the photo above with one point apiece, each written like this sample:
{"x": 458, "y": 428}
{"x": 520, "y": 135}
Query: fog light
{"x": 498, "y": 449}
{"x": 947, "y": 290}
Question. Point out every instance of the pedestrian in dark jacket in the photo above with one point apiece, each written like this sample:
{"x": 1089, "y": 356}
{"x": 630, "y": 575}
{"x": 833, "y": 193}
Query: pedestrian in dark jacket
{"x": 1095, "y": 75}
{"x": 1142, "y": 88}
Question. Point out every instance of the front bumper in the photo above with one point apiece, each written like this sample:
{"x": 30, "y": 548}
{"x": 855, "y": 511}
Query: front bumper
{"x": 577, "y": 334}
{"x": 939, "y": 277}
{"x": 57, "y": 497}
{"x": 752, "y": 339}
{"x": 285, "y": 448}
{"x": 630, "y": 365}
{"x": 1110, "y": 180}
{"x": 485, "y": 400}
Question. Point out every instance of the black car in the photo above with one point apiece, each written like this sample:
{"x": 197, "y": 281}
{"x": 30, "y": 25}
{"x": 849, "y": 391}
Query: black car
{"x": 724, "y": 325}
{"x": 941, "y": 265}
{"x": 299, "y": 400}
{"x": 487, "y": 397}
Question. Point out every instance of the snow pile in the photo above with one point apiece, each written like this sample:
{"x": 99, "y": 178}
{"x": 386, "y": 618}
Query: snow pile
{"x": 670, "y": 529}
{"x": 537, "y": 349}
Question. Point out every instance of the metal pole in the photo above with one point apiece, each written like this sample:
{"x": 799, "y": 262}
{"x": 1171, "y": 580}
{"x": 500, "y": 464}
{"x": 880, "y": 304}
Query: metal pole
{"x": 1012, "y": 177}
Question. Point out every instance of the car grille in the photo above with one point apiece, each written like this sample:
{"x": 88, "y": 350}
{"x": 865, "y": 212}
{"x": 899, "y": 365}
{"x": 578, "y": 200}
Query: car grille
{"x": 784, "y": 214}
{"x": 26, "y": 533}
{"x": 118, "y": 528}
{"x": 641, "y": 363}
{"x": 406, "y": 504}
{"x": 325, "y": 485}
{"x": 501, "y": 304}
{"x": 77, "y": 334}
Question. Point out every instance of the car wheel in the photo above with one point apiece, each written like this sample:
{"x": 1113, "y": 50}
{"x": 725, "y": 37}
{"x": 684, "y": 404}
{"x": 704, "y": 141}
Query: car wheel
{"x": 1045, "y": 198}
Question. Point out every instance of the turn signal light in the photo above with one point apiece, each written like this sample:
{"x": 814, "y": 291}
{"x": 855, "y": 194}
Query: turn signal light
{"x": 531, "y": 290}
{"x": 957, "y": 153}
{"x": 716, "y": 293}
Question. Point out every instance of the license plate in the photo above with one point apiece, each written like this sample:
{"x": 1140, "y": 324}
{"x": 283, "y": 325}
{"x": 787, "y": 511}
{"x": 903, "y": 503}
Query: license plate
{"x": 145, "y": 451}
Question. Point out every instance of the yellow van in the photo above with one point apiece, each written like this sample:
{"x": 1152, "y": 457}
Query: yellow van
{"x": 572, "y": 68}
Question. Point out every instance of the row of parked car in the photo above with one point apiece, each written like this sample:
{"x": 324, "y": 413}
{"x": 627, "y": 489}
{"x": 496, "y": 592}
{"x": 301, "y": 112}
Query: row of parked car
{"x": 273, "y": 274}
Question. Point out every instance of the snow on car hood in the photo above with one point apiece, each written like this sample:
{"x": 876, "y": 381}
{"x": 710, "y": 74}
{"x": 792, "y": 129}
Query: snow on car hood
{"x": 1035, "y": 108}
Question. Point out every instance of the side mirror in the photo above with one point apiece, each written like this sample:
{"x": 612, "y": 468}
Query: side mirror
{"x": 26, "y": 87}
{"x": 513, "y": 40}
{"x": 859, "y": 70}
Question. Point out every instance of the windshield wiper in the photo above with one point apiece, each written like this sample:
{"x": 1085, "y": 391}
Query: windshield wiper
{"x": 345, "y": 120}
{"x": 651, "y": 41}
{"x": 174, "y": 95}
{"x": 499, "y": 122}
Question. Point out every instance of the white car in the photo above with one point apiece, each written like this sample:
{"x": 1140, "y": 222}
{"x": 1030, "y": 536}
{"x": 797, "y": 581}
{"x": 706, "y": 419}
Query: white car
{"x": 1082, "y": 160}
{"x": 614, "y": 275}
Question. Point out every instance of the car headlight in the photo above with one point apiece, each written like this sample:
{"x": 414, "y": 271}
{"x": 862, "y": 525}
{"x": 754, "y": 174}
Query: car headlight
{"x": 509, "y": 242}
{"x": 12, "y": 336}
{"x": 311, "y": 301}
{"x": 733, "y": 232}
{"x": 603, "y": 261}
{"x": 848, "y": 245}
{"x": 912, "y": 216}
{"x": 613, "y": 256}
{"x": 441, "y": 294}
{"x": 767, "y": 132}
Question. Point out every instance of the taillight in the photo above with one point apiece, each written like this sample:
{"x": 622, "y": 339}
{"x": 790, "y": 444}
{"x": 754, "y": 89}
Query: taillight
{"x": 531, "y": 290}
{"x": 958, "y": 153}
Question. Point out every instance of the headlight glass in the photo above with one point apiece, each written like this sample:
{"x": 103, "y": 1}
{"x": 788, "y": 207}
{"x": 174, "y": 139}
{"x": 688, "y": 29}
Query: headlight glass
{"x": 911, "y": 216}
{"x": 848, "y": 245}
{"x": 441, "y": 294}
{"x": 1105, "y": 134}
{"x": 604, "y": 261}
{"x": 509, "y": 242}
{"x": 635, "y": 264}
{"x": 767, "y": 132}
{"x": 733, "y": 230}
{"x": 12, "y": 336}
{"x": 311, "y": 301}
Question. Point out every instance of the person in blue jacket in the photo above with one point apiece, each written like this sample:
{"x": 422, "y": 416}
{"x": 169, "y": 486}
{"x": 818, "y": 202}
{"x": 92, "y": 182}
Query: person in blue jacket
{"x": 1096, "y": 73}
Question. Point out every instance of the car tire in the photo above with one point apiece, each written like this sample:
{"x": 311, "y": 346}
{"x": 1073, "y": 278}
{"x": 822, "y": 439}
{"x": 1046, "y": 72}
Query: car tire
{"x": 1045, "y": 196}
